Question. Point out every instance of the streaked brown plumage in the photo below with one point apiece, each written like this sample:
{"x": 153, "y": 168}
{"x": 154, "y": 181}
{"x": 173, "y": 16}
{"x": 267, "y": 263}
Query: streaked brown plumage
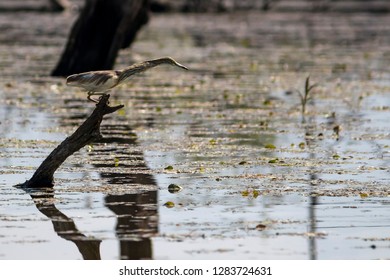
{"x": 99, "y": 82}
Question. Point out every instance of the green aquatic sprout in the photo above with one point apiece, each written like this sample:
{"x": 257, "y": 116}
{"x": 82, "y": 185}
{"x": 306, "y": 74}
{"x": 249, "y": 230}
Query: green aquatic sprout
{"x": 307, "y": 95}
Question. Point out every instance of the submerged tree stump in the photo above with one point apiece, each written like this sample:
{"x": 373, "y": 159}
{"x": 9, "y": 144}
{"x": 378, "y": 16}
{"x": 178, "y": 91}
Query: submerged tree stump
{"x": 102, "y": 29}
{"x": 88, "y": 132}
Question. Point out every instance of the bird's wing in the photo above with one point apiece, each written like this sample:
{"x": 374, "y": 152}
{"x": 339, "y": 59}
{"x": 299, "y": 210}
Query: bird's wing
{"x": 91, "y": 78}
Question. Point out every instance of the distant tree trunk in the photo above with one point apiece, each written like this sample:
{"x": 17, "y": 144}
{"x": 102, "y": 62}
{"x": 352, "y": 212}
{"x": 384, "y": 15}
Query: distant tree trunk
{"x": 58, "y": 5}
{"x": 102, "y": 29}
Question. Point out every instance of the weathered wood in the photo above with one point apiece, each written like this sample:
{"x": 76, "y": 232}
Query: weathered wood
{"x": 102, "y": 29}
{"x": 88, "y": 132}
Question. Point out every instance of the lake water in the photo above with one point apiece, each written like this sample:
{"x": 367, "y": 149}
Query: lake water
{"x": 258, "y": 181}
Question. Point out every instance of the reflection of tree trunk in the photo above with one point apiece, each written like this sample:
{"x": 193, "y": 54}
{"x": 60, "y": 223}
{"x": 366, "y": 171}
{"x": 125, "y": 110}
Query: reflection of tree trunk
{"x": 137, "y": 223}
{"x": 103, "y": 27}
{"x": 65, "y": 226}
{"x": 137, "y": 213}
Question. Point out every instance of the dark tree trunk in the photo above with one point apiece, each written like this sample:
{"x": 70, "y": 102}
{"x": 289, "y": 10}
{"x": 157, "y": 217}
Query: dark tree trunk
{"x": 102, "y": 29}
{"x": 58, "y": 5}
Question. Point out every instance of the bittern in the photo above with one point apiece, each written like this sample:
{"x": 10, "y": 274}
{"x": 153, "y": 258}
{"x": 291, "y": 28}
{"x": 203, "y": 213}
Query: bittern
{"x": 99, "y": 82}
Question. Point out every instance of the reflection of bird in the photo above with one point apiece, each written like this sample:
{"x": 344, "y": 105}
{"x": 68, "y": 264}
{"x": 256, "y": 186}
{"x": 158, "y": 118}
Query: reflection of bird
{"x": 99, "y": 82}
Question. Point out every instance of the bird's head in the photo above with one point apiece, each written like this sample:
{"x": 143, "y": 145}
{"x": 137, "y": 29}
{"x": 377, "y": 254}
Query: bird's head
{"x": 73, "y": 80}
{"x": 171, "y": 61}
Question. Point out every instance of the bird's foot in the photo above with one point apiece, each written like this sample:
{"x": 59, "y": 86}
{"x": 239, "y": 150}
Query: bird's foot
{"x": 96, "y": 100}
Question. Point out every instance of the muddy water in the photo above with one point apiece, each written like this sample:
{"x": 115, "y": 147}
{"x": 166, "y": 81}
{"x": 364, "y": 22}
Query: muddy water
{"x": 258, "y": 179}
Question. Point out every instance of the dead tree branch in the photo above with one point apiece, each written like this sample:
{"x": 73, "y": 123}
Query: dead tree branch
{"x": 88, "y": 132}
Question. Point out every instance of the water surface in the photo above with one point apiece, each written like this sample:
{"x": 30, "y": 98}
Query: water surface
{"x": 258, "y": 180}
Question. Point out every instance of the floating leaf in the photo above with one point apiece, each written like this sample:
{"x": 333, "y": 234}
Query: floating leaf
{"x": 339, "y": 68}
{"x": 242, "y": 162}
{"x": 302, "y": 145}
{"x": 336, "y": 156}
{"x": 261, "y": 227}
{"x": 267, "y": 102}
{"x": 169, "y": 167}
{"x": 254, "y": 66}
{"x": 363, "y": 195}
{"x": 250, "y": 193}
{"x": 116, "y": 162}
{"x": 264, "y": 124}
{"x": 245, "y": 42}
{"x": 169, "y": 204}
{"x": 245, "y": 193}
{"x": 275, "y": 160}
{"x": 270, "y": 146}
{"x": 173, "y": 188}
{"x": 90, "y": 148}
{"x": 213, "y": 142}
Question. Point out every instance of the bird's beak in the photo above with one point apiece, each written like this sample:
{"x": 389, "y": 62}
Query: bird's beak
{"x": 181, "y": 66}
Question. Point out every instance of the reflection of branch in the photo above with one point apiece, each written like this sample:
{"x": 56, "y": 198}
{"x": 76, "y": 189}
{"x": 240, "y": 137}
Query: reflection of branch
{"x": 65, "y": 226}
{"x": 88, "y": 132}
{"x": 310, "y": 143}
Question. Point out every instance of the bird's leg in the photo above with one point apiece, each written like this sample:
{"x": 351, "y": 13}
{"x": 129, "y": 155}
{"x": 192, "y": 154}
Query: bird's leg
{"x": 90, "y": 93}
{"x": 89, "y": 96}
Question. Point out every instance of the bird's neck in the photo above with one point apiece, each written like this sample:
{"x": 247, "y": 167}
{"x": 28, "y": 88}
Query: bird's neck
{"x": 138, "y": 68}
